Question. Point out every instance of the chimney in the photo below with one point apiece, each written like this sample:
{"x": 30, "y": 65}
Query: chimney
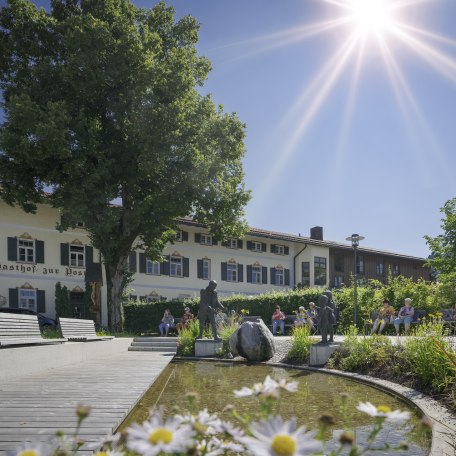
{"x": 316, "y": 233}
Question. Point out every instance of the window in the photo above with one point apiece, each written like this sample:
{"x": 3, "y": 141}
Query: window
{"x": 175, "y": 266}
{"x": 206, "y": 269}
{"x": 206, "y": 239}
{"x": 279, "y": 278}
{"x": 396, "y": 269}
{"x": 231, "y": 272}
{"x": 339, "y": 263}
{"x": 280, "y": 249}
{"x": 305, "y": 274}
{"x": 338, "y": 281}
{"x": 320, "y": 271}
{"x": 256, "y": 247}
{"x": 27, "y": 299}
{"x": 77, "y": 256}
{"x": 152, "y": 267}
{"x": 379, "y": 268}
{"x": 26, "y": 250}
{"x": 256, "y": 274}
{"x": 232, "y": 244}
{"x": 360, "y": 264}
{"x": 178, "y": 237}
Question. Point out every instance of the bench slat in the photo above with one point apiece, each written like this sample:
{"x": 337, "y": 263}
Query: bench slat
{"x": 79, "y": 330}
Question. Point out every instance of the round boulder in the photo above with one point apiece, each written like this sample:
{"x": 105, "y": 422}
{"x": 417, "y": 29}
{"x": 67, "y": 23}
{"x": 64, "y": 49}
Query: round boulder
{"x": 253, "y": 341}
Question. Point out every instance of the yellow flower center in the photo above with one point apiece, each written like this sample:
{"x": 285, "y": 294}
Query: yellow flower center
{"x": 29, "y": 453}
{"x": 161, "y": 435}
{"x": 101, "y": 453}
{"x": 284, "y": 445}
{"x": 383, "y": 409}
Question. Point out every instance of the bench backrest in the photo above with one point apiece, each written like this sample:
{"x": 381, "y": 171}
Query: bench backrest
{"x": 76, "y": 327}
{"x": 17, "y": 326}
{"x": 448, "y": 314}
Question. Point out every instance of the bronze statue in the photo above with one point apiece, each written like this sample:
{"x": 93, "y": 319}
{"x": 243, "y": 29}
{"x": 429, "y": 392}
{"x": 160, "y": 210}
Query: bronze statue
{"x": 208, "y": 305}
{"x": 332, "y": 306}
{"x": 325, "y": 319}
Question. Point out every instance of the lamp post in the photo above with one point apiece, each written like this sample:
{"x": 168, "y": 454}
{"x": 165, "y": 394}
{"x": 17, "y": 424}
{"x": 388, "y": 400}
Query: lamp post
{"x": 355, "y": 238}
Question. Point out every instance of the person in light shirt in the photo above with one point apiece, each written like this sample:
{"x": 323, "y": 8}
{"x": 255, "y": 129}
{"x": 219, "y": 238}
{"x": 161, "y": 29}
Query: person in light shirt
{"x": 278, "y": 319}
{"x": 405, "y": 316}
{"x": 384, "y": 317}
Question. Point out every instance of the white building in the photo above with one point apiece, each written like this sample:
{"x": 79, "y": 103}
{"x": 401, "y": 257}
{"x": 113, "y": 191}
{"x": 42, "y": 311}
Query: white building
{"x": 34, "y": 256}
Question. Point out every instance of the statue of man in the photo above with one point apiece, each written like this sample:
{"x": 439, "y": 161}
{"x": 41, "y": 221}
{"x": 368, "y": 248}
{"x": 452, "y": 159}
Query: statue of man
{"x": 325, "y": 319}
{"x": 332, "y": 306}
{"x": 208, "y": 305}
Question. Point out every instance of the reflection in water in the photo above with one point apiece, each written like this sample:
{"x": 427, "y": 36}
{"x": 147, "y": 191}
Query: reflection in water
{"x": 214, "y": 383}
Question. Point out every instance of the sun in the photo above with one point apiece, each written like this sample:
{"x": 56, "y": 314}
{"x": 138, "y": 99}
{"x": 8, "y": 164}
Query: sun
{"x": 371, "y": 17}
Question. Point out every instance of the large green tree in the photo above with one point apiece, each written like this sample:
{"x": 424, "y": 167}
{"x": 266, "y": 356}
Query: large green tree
{"x": 443, "y": 246}
{"x": 104, "y": 121}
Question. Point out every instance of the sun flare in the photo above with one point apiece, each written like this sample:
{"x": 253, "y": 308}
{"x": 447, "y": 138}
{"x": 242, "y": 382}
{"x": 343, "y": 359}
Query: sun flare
{"x": 371, "y": 16}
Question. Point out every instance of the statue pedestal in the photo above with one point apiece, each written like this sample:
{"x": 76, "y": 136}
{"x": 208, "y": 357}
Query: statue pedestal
{"x": 207, "y": 347}
{"x": 319, "y": 353}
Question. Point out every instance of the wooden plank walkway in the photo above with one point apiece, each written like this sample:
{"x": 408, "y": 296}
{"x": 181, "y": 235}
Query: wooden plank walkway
{"x": 32, "y": 409}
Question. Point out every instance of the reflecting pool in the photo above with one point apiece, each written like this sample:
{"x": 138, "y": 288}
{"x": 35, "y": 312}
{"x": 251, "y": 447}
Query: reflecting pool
{"x": 214, "y": 382}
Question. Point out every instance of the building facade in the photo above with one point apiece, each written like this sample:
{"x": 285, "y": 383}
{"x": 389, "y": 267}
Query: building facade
{"x": 34, "y": 257}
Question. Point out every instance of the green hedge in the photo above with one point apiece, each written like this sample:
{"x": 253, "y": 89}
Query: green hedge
{"x": 145, "y": 317}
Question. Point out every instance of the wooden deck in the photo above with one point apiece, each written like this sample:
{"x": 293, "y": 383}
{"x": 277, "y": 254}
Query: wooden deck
{"x": 32, "y": 409}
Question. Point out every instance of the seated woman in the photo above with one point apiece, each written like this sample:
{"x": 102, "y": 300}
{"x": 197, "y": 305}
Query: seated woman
{"x": 278, "y": 319}
{"x": 405, "y": 316}
{"x": 384, "y": 317}
{"x": 186, "y": 318}
{"x": 312, "y": 316}
{"x": 166, "y": 323}
{"x": 301, "y": 317}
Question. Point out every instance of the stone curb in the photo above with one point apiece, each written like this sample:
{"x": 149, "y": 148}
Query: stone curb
{"x": 443, "y": 422}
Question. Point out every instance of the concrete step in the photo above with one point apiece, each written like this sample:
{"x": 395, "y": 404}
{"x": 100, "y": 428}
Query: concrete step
{"x": 156, "y": 343}
{"x": 153, "y": 349}
{"x": 153, "y": 339}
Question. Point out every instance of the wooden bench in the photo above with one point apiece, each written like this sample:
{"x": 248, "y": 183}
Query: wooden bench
{"x": 78, "y": 330}
{"x": 18, "y": 329}
{"x": 449, "y": 320}
{"x": 417, "y": 318}
{"x": 289, "y": 322}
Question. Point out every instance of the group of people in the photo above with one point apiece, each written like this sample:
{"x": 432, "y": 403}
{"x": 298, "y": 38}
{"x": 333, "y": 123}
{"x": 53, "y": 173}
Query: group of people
{"x": 303, "y": 317}
{"x": 387, "y": 315}
{"x": 167, "y": 321}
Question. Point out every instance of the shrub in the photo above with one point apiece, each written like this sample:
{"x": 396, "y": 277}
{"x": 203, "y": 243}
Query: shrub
{"x": 300, "y": 345}
{"x": 186, "y": 339}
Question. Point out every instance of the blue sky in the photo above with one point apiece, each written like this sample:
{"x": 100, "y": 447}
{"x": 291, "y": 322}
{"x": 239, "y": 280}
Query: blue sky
{"x": 362, "y": 144}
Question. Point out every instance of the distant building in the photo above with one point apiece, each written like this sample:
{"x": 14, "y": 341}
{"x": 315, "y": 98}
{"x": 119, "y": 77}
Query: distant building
{"x": 34, "y": 256}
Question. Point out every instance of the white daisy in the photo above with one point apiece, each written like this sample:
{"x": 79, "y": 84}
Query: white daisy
{"x": 225, "y": 427}
{"x": 269, "y": 388}
{"x": 383, "y": 411}
{"x": 32, "y": 449}
{"x": 278, "y": 438}
{"x": 203, "y": 423}
{"x": 107, "y": 453}
{"x": 108, "y": 441}
{"x": 226, "y": 445}
{"x": 157, "y": 434}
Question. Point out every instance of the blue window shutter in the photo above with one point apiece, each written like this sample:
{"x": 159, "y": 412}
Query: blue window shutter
{"x": 199, "y": 269}
{"x": 198, "y": 238}
{"x": 142, "y": 262}
{"x": 164, "y": 267}
{"x": 249, "y": 273}
{"x": 132, "y": 261}
{"x": 240, "y": 273}
{"x": 185, "y": 235}
{"x": 214, "y": 241}
{"x": 13, "y": 298}
{"x": 287, "y": 277}
{"x": 263, "y": 247}
{"x": 273, "y": 274}
{"x": 264, "y": 274}
{"x": 186, "y": 267}
{"x": 239, "y": 244}
{"x": 224, "y": 271}
{"x": 41, "y": 301}
{"x": 88, "y": 255}
{"x": 65, "y": 254}
{"x": 249, "y": 245}
{"x": 12, "y": 249}
{"x": 287, "y": 250}
{"x": 273, "y": 248}
{"x": 39, "y": 246}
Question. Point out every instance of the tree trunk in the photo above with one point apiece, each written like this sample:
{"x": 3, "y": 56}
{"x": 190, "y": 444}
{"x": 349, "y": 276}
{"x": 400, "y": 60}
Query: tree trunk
{"x": 114, "y": 282}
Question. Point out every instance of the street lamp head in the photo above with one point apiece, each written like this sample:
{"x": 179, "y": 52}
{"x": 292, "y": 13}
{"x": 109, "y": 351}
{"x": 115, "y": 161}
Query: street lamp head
{"x": 355, "y": 238}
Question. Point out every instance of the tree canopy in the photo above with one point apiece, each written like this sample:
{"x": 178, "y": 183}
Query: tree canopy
{"x": 103, "y": 120}
{"x": 443, "y": 246}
